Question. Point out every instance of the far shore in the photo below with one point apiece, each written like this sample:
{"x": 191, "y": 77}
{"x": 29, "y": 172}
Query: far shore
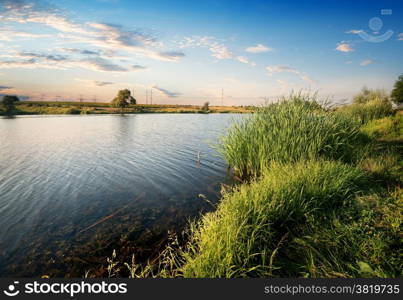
{"x": 55, "y": 108}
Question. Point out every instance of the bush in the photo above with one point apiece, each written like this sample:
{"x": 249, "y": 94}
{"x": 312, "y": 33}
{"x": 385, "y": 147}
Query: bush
{"x": 205, "y": 108}
{"x": 385, "y": 128}
{"x": 367, "y": 95}
{"x": 243, "y": 237}
{"x": 397, "y": 92}
{"x": 289, "y": 131}
{"x": 72, "y": 111}
{"x": 366, "y": 112}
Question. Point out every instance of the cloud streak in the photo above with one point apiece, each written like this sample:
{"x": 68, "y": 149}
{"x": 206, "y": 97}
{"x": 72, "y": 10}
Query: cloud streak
{"x": 287, "y": 69}
{"x": 4, "y": 88}
{"x": 167, "y": 93}
{"x": 344, "y": 47}
{"x": 50, "y": 61}
{"x": 103, "y": 35}
{"x": 138, "y": 67}
{"x": 259, "y": 48}
{"x": 366, "y": 62}
{"x": 92, "y": 83}
{"x": 217, "y": 49}
{"x": 354, "y": 31}
{"x": 245, "y": 60}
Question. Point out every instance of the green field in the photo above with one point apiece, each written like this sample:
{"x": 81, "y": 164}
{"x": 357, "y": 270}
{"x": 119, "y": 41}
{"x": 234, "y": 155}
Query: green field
{"x": 56, "y": 108}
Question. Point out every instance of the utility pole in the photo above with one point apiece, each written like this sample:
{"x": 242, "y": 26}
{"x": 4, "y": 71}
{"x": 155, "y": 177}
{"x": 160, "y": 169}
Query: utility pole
{"x": 151, "y": 99}
{"x": 146, "y": 96}
{"x": 81, "y": 98}
{"x": 95, "y": 98}
{"x": 222, "y": 97}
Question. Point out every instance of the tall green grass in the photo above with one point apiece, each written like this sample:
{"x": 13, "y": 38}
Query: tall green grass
{"x": 388, "y": 127}
{"x": 368, "y": 111}
{"x": 288, "y": 131}
{"x": 255, "y": 221}
{"x": 315, "y": 204}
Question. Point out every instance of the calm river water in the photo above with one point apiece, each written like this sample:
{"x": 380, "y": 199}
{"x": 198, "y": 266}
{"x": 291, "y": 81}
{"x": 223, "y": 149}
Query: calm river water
{"x": 73, "y": 188}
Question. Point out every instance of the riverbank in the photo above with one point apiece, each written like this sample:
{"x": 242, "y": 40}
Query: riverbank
{"x": 320, "y": 197}
{"x": 55, "y": 108}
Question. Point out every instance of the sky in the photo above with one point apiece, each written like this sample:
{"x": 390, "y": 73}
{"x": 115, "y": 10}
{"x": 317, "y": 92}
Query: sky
{"x": 188, "y": 52}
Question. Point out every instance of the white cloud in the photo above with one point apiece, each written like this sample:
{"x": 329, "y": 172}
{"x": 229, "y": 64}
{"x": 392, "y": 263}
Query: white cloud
{"x": 366, "y": 62}
{"x": 344, "y": 47}
{"x": 29, "y": 64}
{"x": 354, "y": 31}
{"x": 245, "y": 60}
{"x": 221, "y": 52}
{"x": 108, "y": 36}
{"x": 53, "y": 61}
{"x": 8, "y": 34}
{"x": 286, "y": 69}
{"x": 400, "y": 36}
{"x": 22, "y": 12}
{"x": 80, "y": 51}
{"x": 98, "y": 64}
{"x": 283, "y": 84}
{"x": 259, "y": 48}
{"x": 217, "y": 49}
{"x": 92, "y": 83}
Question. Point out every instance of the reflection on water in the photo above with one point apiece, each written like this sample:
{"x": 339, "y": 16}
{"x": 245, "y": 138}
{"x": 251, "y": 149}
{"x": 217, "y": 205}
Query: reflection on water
{"x": 74, "y": 188}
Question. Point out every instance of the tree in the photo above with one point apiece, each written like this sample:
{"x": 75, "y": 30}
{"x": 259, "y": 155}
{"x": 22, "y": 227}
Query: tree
{"x": 366, "y": 95}
{"x": 8, "y": 103}
{"x": 205, "y": 107}
{"x": 397, "y": 92}
{"x": 123, "y": 99}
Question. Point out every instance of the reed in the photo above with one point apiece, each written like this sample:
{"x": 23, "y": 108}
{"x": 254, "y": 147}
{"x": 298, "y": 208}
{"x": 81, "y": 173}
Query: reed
{"x": 366, "y": 112}
{"x": 322, "y": 199}
{"x": 287, "y": 131}
{"x": 246, "y": 236}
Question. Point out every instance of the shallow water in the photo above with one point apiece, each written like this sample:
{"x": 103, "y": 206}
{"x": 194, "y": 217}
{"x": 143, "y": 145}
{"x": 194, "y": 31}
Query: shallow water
{"x": 73, "y": 188}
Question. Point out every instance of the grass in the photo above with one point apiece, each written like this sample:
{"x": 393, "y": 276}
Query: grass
{"x": 366, "y": 112}
{"x": 246, "y": 235}
{"x": 288, "y": 131}
{"x": 55, "y": 108}
{"x": 320, "y": 196}
{"x": 320, "y": 217}
{"x": 386, "y": 128}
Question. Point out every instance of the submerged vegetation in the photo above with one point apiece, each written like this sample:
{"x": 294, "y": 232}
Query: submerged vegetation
{"x": 319, "y": 196}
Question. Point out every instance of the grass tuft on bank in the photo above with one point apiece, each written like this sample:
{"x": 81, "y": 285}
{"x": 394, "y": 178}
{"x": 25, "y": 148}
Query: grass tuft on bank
{"x": 253, "y": 224}
{"x": 288, "y": 131}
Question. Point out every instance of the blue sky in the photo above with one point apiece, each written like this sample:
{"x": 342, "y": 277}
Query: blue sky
{"x": 188, "y": 51}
